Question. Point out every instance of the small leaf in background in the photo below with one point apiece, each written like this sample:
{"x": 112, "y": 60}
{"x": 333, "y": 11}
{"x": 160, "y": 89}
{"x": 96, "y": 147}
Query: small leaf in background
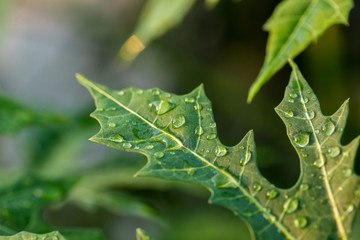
{"x": 292, "y": 27}
{"x": 13, "y": 116}
{"x": 178, "y": 135}
{"x": 157, "y": 17}
{"x": 22, "y": 202}
{"x": 141, "y": 235}
{"x": 29, "y": 236}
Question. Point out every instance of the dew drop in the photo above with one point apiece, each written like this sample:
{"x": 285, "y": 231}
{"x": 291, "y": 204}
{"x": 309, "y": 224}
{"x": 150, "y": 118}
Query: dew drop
{"x": 257, "y": 187}
{"x": 318, "y": 163}
{"x": 334, "y": 151}
{"x": 212, "y": 125}
{"x": 159, "y": 154}
{"x": 112, "y": 125}
{"x": 293, "y": 95}
{"x": 220, "y": 151}
{"x": 178, "y": 120}
{"x": 127, "y": 145}
{"x": 304, "y": 187}
{"x": 328, "y": 127}
{"x": 199, "y": 130}
{"x": 116, "y": 138}
{"x": 189, "y": 99}
{"x": 291, "y": 100}
{"x": 300, "y": 222}
{"x": 346, "y": 172}
{"x": 198, "y": 107}
{"x": 291, "y": 205}
{"x": 271, "y": 194}
{"x": 304, "y": 100}
{"x": 162, "y": 106}
{"x": 148, "y": 147}
{"x": 301, "y": 139}
{"x": 211, "y": 136}
{"x": 310, "y": 114}
{"x": 245, "y": 157}
{"x": 350, "y": 208}
{"x": 289, "y": 114}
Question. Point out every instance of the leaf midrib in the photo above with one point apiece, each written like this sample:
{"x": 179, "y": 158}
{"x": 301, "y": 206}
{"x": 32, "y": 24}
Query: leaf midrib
{"x": 323, "y": 170}
{"x": 278, "y": 224}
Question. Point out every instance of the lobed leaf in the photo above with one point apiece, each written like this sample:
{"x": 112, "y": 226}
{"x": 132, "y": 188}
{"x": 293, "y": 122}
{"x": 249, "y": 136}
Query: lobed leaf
{"x": 179, "y": 137}
{"x": 292, "y": 27}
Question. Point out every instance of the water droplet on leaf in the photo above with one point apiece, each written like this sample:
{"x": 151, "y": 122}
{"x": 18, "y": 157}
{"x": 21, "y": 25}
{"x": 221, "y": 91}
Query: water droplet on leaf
{"x": 334, "y": 151}
{"x": 328, "y": 127}
{"x": 220, "y": 151}
{"x": 293, "y": 95}
{"x": 162, "y": 106}
{"x": 212, "y": 125}
{"x": 257, "y": 187}
{"x": 318, "y": 163}
{"x": 346, "y": 172}
{"x": 199, "y": 130}
{"x": 291, "y": 205}
{"x": 271, "y": 194}
{"x": 304, "y": 187}
{"x": 116, "y": 138}
{"x": 178, "y": 121}
{"x": 159, "y": 154}
{"x": 310, "y": 114}
{"x": 245, "y": 157}
{"x": 301, "y": 139}
{"x": 189, "y": 99}
{"x": 304, "y": 100}
{"x": 289, "y": 114}
{"x": 112, "y": 125}
{"x": 211, "y": 136}
{"x": 127, "y": 145}
{"x": 300, "y": 222}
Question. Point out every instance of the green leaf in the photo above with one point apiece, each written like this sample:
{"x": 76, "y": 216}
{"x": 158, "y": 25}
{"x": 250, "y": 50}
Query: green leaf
{"x": 142, "y": 235}
{"x": 157, "y": 17}
{"x": 29, "y": 236}
{"x": 292, "y": 27}
{"x": 21, "y": 204}
{"x": 178, "y": 135}
{"x": 14, "y": 116}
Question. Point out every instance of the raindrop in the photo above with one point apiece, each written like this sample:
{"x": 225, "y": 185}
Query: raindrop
{"x": 350, "y": 208}
{"x": 178, "y": 121}
{"x": 310, "y": 114}
{"x": 318, "y": 163}
{"x": 293, "y": 95}
{"x": 304, "y": 100}
{"x": 334, "y": 151}
{"x": 289, "y": 114}
{"x": 211, "y": 136}
{"x": 300, "y": 222}
{"x": 198, "y": 107}
{"x": 291, "y": 100}
{"x": 189, "y": 99}
{"x": 159, "y": 154}
{"x": 346, "y": 172}
{"x": 116, "y": 138}
{"x": 162, "y": 106}
{"x": 112, "y": 125}
{"x": 199, "y": 130}
{"x": 212, "y": 125}
{"x": 304, "y": 187}
{"x": 220, "y": 151}
{"x": 328, "y": 127}
{"x": 148, "y": 147}
{"x": 301, "y": 139}
{"x": 271, "y": 194}
{"x": 245, "y": 157}
{"x": 291, "y": 205}
{"x": 127, "y": 145}
{"x": 257, "y": 187}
